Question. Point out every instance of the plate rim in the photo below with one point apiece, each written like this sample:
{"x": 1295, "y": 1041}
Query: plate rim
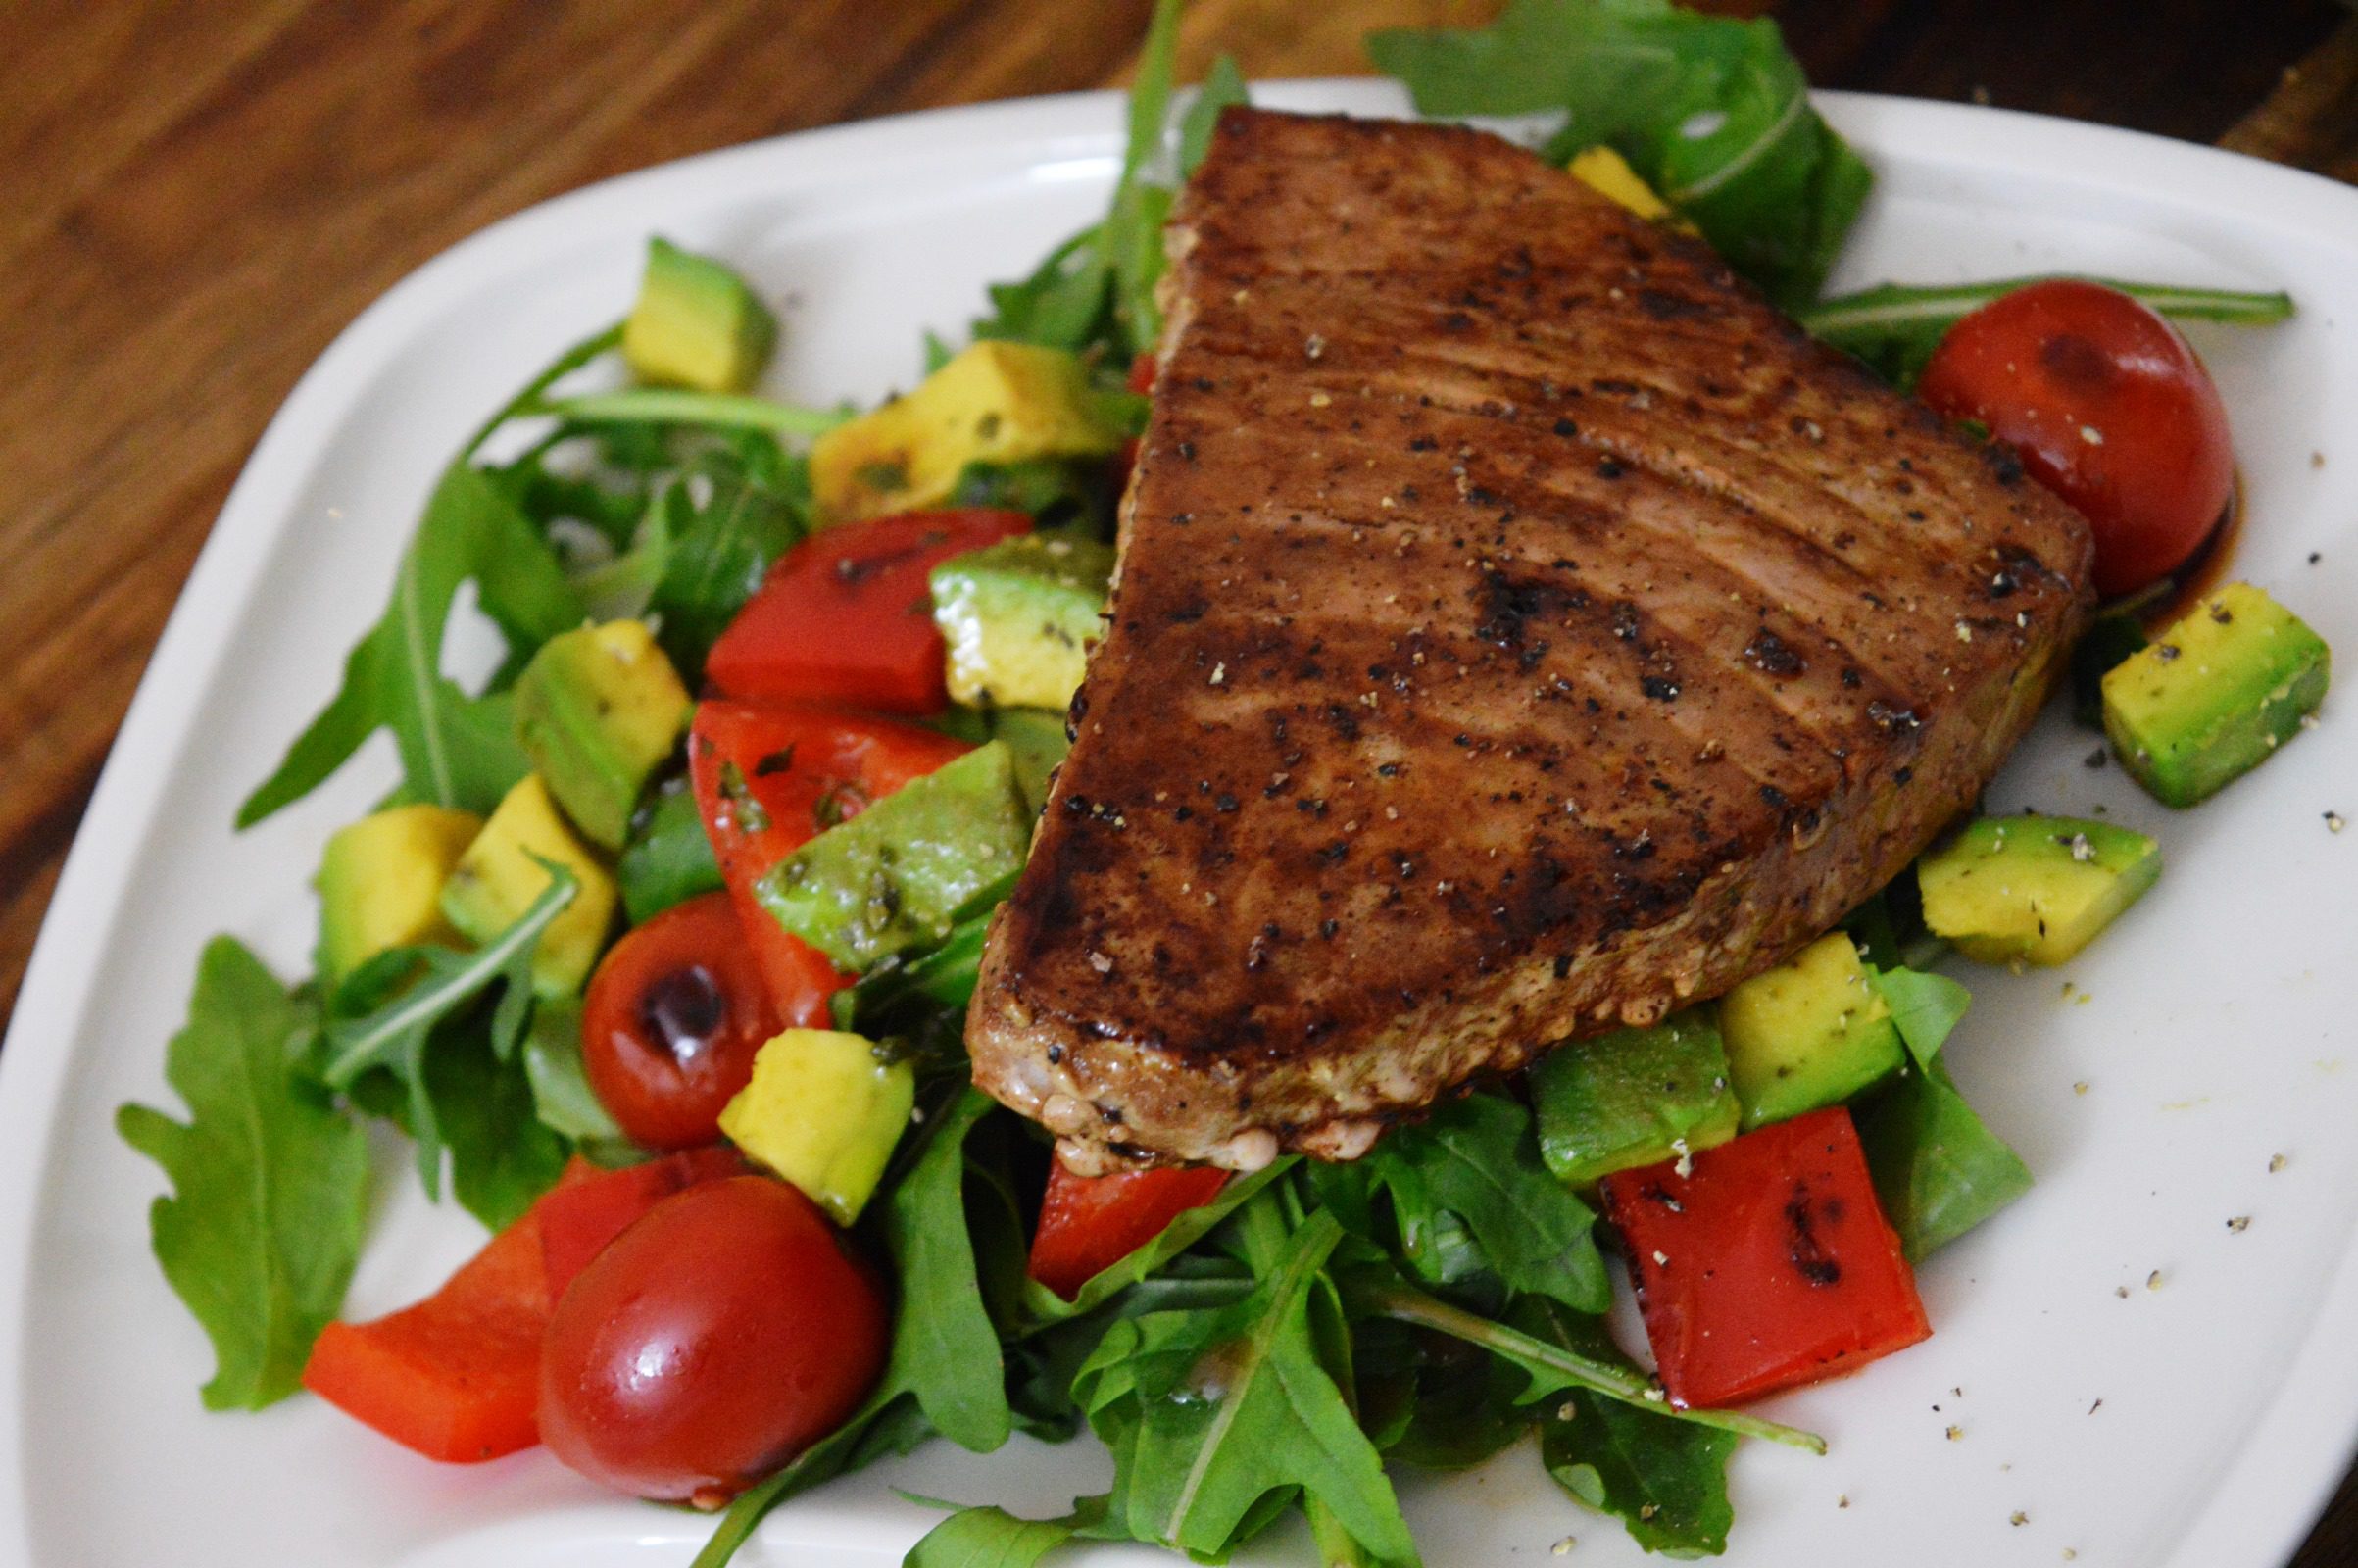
{"x": 2303, "y": 1440}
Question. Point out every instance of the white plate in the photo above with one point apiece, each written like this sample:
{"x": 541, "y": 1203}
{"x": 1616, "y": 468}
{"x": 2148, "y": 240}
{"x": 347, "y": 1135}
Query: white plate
{"x": 2215, "y": 1039}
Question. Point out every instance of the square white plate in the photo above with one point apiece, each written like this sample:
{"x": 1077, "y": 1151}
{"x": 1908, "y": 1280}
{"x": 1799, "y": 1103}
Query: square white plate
{"x": 2216, "y": 1033}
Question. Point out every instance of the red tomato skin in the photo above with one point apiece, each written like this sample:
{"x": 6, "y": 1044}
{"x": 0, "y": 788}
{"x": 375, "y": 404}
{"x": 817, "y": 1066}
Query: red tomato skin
{"x": 1090, "y": 1223}
{"x": 1769, "y": 1265}
{"x": 845, "y": 615}
{"x": 578, "y": 1219}
{"x": 2108, "y": 407}
{"x": 710, "y": 1343}
{"x": 695, "y": 956}
{"x": 803, "y": 768}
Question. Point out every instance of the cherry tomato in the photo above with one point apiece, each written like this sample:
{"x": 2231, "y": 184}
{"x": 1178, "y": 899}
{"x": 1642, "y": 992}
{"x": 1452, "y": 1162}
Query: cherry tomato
{"x": 709, "y": 1344}
{"x": 673, "y": 1017}
{"x": 2108, "y": 408}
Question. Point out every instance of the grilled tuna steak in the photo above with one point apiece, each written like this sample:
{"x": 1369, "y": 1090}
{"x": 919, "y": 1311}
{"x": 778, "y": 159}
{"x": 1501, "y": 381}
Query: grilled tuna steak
{"x": 1522, "y": 630}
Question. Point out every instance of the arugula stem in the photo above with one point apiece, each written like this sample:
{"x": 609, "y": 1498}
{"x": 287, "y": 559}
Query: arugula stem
{"x": 1406, "y": 1305}
{"x": 1893, "y": 305}
{"x": 356, "y": 1049}
{"x": 676, "y": 406}
{"x": 565, "y": 365}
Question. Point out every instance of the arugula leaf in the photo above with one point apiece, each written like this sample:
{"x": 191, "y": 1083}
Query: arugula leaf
{"x": 1712, "y": 112}
{"x": 270, "y": 1181}
{"x": 717, "y": 554}
{"x": 385, "y": 1014}
{"x": 1938, "y": 1167}
{"x": 1464, "y": 1406}
{"x": 1665, "y": 1480}
{"x": 993, "y": 1538}
{"x": 562, "y": 1097}
{"x": 1210, "y": 1413}
{"x": 502, "y": 1155}
{"x": 1097, "y": 290}
{"x": 1223, "y": 88}
{"x": 1896, "y": 326}
{"x": 1477, "y": 1158}
{"x": 944, "y": 1348}
{"x": 669, "y": 858}
{"x": 393, "y": 678}
{"x": 1926, "y": 1009}
{"x": 604, "y": 341}
{"x": 1553, "y": 1368}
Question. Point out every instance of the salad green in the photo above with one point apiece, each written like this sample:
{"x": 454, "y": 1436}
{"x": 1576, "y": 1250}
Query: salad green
{"x": 1277, "y": 1346}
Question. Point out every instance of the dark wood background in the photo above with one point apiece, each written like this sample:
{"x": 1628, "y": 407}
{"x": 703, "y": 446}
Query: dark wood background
{"x": 196, "y": 198}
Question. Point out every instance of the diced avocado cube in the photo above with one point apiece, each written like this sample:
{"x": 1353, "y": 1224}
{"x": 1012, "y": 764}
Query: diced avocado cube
{"x": 1811, "y": 1032}
{"x": 380, "y": 883}
{"x": 823, "y": 1109}
{"x": 2214, "y": 695}
{"x": 1037, "y": 742}
{"x": 1633, "y": 1098}
{"x": 2032, "y": 888}
{"x": 996, "y": 403}
{"x": 669, "y": 859}
{"x": 900, "y": 873}
{"x": 696, "y": 324}
{"x": 1019, "y": 617}
{"x": 598, "y": 709}
{"x": 500, "y": 875}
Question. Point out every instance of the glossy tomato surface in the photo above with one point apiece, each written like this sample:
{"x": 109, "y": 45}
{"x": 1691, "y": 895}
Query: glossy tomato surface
{"x": 1768, "y": 1264}
{"x": 710, "y": 1343}
{"x": 2108, "y": 408}
{"x": 672, "y": 1022}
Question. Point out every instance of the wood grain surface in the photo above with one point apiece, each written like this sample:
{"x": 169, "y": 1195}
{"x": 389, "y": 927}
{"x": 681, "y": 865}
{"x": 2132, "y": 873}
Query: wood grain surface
{"x": 196, "y": 198}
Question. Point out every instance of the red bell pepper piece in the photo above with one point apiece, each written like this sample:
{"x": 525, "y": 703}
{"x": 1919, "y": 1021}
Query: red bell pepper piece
{"x": 770, "y": 777}
{"x": 1090, "y": 1223}
{"x": 846, "y": 617}
{"x": 456, "y": 1377}
{"x": 1770, "y": 1264}
{"x": 578, "y": 1219}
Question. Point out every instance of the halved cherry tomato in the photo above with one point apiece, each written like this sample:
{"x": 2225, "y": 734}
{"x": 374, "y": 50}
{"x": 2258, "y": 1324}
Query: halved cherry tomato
{"x": 1770, "y": 1264}
{"x": 457, "y": 1376}
{"x": 768, "y": 778}
{"x": 1090, "y": 1223}
{"x": 709, "y": 1344}
{"x": 846, "y": 615}
{"x": 2108, "y": 408}
{"x": 672, "y": 1021}
{"x": 578, "y": 1220}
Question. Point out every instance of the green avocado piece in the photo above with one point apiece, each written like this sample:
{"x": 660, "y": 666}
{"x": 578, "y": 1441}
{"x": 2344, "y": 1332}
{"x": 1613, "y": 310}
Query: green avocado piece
{"x": 380, "y": 883}
{"x": 669, "y": 859}
{"x": 1635, "y": 1097}
{"x": 696, "y": 324}
{"x": 902, "y": 874}
{"x": 598, "y": 709}
{"x": 2214, "y": 695}
{"x": 501, "y": 872}
{"x": 2032, "y": 888}
{"x": 1811, "y": 1032}
{"x": 1019, "y": 617}
{"x": 1037, "y": 741}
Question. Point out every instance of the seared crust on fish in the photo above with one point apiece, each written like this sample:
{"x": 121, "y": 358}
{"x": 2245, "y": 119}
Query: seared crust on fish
{"x": 1522, "y": 630}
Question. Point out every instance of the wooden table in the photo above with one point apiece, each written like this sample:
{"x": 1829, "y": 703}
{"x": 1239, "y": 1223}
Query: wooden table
{"x": 194, "y": 199}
